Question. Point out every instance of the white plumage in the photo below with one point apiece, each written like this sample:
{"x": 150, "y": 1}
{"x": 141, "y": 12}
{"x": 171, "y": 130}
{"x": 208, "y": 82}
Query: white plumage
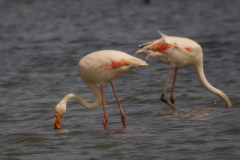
{"x": 99, "y": 67}
{"x": 178, "y": 51}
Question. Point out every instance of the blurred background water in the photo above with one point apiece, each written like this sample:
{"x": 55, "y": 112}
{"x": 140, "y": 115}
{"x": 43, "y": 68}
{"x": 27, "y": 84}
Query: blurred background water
{"x": 41, "y": 43}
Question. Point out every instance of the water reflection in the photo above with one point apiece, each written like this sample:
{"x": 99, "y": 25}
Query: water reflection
{"x": 62, "y": 131}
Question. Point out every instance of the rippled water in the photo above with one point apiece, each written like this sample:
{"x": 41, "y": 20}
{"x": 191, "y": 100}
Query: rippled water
{"x": 41, "y": 43}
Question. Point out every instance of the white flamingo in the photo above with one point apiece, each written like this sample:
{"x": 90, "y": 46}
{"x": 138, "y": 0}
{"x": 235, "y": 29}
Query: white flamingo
{"x": 99, "y": 67}
{"x": 178, "y": 51}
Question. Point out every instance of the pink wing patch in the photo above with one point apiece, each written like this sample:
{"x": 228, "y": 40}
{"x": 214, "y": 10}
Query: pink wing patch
{"x": 159, "y": 47}
{"x": 114, "y": 64}
{"x": 188, "y": 49}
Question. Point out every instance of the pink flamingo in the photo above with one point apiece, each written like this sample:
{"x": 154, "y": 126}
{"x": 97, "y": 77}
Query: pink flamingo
{"x": 178, "y": 51}
{"x": 99, "y": 67}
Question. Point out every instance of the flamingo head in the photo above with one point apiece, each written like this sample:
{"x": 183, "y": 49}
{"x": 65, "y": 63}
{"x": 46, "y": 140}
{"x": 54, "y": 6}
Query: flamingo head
{"x": 60, "y": 109}
{"x": 148, "y": 49}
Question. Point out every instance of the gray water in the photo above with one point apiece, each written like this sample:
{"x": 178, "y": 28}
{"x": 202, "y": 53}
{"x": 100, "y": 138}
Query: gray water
{"x": 41, "y": 43}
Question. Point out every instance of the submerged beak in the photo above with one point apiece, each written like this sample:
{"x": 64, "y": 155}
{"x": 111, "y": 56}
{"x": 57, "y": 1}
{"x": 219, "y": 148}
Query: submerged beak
{"x": 56, "y": 121}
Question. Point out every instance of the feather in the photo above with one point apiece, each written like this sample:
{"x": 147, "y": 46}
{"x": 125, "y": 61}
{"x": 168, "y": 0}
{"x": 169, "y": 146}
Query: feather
{"x": 145, "y": 44}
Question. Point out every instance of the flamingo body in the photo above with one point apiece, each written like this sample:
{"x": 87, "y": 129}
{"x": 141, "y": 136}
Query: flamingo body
{"x": 99, "y": 67}
{"x": 176, "y": 52}
{"x": 105, "y": 66}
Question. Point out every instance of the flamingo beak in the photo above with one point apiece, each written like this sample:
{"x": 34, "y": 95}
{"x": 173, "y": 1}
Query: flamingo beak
{"x": 139, "y": 51}
{"x": 56, "y": 121}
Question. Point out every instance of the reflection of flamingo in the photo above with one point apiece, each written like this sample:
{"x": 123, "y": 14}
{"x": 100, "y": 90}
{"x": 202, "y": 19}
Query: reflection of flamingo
{"x": 177, "y": 51}
{"x": 99, "y": 67}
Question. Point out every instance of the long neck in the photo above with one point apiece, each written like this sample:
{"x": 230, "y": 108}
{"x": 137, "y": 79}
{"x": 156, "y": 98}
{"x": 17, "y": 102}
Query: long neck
{"x": 95, "y": 104}
{"x": 209, "y": 87}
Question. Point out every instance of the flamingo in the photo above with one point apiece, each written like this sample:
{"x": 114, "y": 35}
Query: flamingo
{"x": 99, "y": 67}
{"x": 176, "y": 52}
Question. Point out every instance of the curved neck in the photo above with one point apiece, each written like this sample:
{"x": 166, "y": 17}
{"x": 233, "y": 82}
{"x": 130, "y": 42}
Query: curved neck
{"x": 95, "y": 90}
{"x": 209, "y": 87}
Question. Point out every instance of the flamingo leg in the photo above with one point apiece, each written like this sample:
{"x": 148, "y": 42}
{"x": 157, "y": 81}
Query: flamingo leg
{"x": 173, "y": 86}
{"x": 165, "y": 88}
{"x": 120, "y": 108}
{"x": 105, "y": 120}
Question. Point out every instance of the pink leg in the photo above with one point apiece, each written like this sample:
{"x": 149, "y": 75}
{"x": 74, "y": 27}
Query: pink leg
{"x": 165, "y": 88}
{"x": 173, "y": 86}
{"x": 120, "y": 108}
{"x": 105, "y": 120}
